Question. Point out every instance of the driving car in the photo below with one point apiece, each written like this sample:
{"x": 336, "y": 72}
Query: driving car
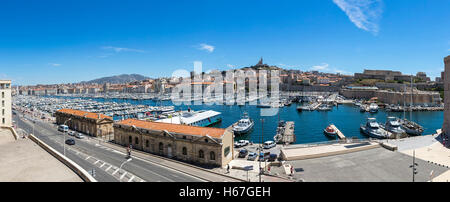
{"x": 72, "y": 133}
{"x": 70, "y": 141}
{"x": 79, "y": 135}
{"x": 252, "y": 156}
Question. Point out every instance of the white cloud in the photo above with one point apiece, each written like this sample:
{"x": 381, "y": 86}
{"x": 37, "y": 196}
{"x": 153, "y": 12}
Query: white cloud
{"x": 365, "y": 14}
{"x": 207, "y": 47}
{"x": 322, "y": 67}
{"x": 230, "y": 66}
{"x": 120, "y": 49}
{"x": 54, "y": 64}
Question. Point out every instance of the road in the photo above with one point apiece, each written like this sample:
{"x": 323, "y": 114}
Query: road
{"x": 106, "y": 162}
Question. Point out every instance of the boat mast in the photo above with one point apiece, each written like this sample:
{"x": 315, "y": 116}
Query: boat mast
{"x": 410, "y": 104}
{"x": 404, "y": 101}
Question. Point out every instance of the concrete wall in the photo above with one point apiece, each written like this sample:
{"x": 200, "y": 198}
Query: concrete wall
{"x": 446, "y": 124}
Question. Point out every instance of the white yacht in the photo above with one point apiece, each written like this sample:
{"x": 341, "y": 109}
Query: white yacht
{"x": 244, "y": 125}
{"x": 393, "y": 125}
{"x": 373, "y": 129}
{"x": 373, "y": 108}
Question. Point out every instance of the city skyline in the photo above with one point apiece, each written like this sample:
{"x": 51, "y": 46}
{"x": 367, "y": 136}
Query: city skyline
{"x": 51, "y": 42}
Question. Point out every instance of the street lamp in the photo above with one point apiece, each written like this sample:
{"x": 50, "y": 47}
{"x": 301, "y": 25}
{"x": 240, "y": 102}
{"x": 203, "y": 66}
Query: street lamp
{"x": 414, "y": 165}
{"x": 64, "y": 137}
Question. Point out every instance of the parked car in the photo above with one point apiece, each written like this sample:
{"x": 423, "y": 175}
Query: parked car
{"x": 272, "y": 157}
{"x": 79, "y": 135}
{"x": 261, "y": 157}
{"x": 72, "y": 133}
{"x": 244, "y": 142}
{"x": 269, "y": 144}
{"x": 243, "y": 153}
{"x": 70, "y": 141}
{"x": 237, "y": 144}
{"x": 252, "y": 156}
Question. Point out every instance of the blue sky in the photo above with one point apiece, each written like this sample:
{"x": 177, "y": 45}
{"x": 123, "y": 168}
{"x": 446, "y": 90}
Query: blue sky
{"x": 46, "y": 42}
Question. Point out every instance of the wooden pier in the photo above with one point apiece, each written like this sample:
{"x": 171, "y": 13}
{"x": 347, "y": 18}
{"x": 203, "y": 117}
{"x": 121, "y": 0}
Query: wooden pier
{"x": 288, "y": 136}
{"x": 338, "y": 132}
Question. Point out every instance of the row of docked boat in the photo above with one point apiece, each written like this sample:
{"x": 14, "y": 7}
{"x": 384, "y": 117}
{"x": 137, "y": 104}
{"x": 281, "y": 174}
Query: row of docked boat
{"x": 372, "y": 108}
{"x": 393, "y": 128}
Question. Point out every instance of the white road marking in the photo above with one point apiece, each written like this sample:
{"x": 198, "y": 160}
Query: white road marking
{"x": 96, "y": 162}
{"x": 108, "y": 168}
{"x": 123, "y": 175}
{"x": 103, "y": 164}
{"x": 132, "y": 177}
{"x": 117, "y": 170}
{"x": 87, "y": 158}
{"x": 142, "y": 180}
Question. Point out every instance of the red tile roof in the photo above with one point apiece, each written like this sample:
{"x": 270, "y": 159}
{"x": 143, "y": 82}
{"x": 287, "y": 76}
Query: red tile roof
{"x": 175, "y": 128}
{"x": 84, "y": 114}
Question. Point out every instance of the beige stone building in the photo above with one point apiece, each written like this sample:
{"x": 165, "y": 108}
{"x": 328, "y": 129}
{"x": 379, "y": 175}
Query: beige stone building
{"x": 5, "y": 107}
{"x": 89, "y": 123}
{"x": 446, "y": 124}
{"x": 202, "y": 145}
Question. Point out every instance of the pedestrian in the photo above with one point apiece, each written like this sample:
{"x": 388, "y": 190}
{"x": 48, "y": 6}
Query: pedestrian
{"x": 228, "y": 168}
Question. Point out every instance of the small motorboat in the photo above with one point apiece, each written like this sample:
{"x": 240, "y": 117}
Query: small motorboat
{"x": 330, "y": 132}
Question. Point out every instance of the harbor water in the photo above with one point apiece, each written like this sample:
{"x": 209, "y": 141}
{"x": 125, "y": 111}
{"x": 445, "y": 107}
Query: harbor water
{"x": 309, "y": 125}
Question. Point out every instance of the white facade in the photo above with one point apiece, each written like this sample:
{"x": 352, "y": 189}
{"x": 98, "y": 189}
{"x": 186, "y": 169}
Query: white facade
{"x": 5, "y": 103}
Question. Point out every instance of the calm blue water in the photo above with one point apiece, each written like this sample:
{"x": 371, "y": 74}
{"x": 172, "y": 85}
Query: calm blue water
{"x": 308, "y": 125}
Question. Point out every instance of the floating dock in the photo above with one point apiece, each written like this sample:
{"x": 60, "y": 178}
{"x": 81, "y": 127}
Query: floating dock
{"x": 339, "y": 133}
{"x": 288, "y": 136}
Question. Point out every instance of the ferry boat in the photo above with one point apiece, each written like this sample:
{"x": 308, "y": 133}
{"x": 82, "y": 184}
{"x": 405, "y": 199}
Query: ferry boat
{"x": 201, "y": 118}
{"x": 329, "y": 131}
{"x": 244, "y": 125}
{"x": 393, "y": 125}
{"x": 373, "y": 129}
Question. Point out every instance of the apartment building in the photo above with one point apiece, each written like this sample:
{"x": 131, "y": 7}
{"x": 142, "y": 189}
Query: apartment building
{"x": 5, "y": 107}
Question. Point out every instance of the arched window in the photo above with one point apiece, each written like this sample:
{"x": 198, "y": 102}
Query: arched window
{"x": 147, "y": 144}
{"x": 201, "y": 154}
{"x": 130, "y": 139}
{"x": 136, "y": 140}
{"x": 212, "y": 156}
{"x": 161, "y": 147}
{"x": 184, "y": 151}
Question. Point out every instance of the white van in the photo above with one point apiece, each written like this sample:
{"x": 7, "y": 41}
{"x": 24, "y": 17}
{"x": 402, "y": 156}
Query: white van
{"x": 269, "y": 144}
{"x": 63, "y": 128}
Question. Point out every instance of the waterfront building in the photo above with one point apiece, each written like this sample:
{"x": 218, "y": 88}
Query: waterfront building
{"x": 89, "y": 123}
{"x": 5, "y": 107}
{"x": 446, "y": 77}
{"x": 208, "y": 146}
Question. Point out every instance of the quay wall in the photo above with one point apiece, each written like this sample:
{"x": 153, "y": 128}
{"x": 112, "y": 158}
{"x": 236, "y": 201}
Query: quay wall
{"x": 390, "y": 97}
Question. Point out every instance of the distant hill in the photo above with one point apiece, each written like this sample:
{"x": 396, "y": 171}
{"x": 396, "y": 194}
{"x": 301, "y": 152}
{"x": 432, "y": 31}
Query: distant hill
{"x": 123, "y": 78}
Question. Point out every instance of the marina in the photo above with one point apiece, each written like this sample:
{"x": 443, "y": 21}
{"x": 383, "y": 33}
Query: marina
{"x": 309, "y": 125}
